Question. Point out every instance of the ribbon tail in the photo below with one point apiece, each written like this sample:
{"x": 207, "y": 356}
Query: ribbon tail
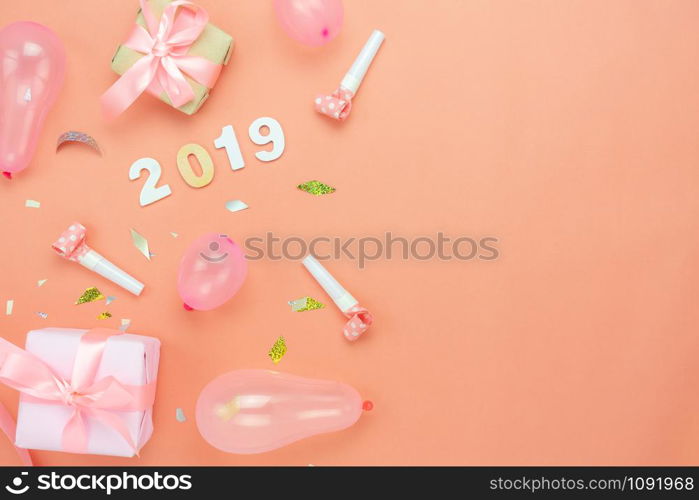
{"x": 74, "y": 438}
{"x": 8, "y": 426}
{"x": 116, "y": 423}
{"x": 128, "y": 87}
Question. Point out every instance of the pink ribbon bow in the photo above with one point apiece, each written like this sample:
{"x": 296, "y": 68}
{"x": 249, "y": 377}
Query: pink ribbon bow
{"x": 98, "y": 399}
{"x": 165, "y": 45}
{"x": 360, "y": 321}
{"x": 71, "y": 243}
{"x": 337, "y": 105}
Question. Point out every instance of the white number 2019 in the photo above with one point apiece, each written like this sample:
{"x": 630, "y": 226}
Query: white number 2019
{"x": 151, "y": 192}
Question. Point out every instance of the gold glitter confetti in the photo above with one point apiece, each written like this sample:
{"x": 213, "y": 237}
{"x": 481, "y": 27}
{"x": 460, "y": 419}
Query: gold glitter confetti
{"x": 42, "y": 315}
{"x": 80, "y": 137}
{"x": 90, "y": 295}
{"x": 228, "y": 410}
{"x": 236, "y": 205}
{"x": 278, "y": 350}
{"x": 41, "y": 282}
{"x": 305, "y": 304}
{"x": 9, "y": 305}
{"x": 32, "y": 204}
{"x": 141, "y": 243}
{"x": 316, "y": 188}
{"x": 104, "y": 315}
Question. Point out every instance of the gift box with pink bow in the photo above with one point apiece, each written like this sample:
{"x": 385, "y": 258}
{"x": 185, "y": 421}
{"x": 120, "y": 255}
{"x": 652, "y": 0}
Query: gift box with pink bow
{"x": 173, "y": 52}
{"x": 83, "y": 391}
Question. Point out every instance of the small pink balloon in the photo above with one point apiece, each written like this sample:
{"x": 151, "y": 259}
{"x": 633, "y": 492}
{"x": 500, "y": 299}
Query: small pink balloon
{"x": 312, "y": 22}
{"x": 212, "y": 270}
{"x": 32, "y": 65}
{"x": 252, "y": 411}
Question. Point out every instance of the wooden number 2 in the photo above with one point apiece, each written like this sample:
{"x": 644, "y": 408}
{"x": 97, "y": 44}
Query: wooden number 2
{"x": 150, "y": 193}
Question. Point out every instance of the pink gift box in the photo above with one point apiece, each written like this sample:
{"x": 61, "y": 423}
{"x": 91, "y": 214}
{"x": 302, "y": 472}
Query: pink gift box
{"x": 130, "y": 359}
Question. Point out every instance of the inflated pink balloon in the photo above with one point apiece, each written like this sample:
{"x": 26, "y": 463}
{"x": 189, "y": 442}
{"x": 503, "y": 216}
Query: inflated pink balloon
{"x": 212, "y": 270}
{"x": 252, "y": 411}
{"x": 313, "y": 22}
{"x": 32, "y": 65}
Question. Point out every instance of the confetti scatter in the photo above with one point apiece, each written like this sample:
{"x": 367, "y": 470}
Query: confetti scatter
{"x": 316, "y": 188}
{"x": 110, "y": 299}
{"x": 104, "y": 315}
{"x": 278, "y": 350}
{"x": 125, "y": 323}
{"x": 228, "y": 410}
{"x": 305, "y": 304}
{"x": 179, "y": 415}
{"x": 9, "y": 305}
{"x": 140, "y": 243}
{"x": 41, "y": 283}
{"x": 32, "y": 204}
{"x": 89, "y": 295}
{"x": 42, "y": 315}
{"x": 174, "y": 235}
{"x": 79, "y": 137}
{"x": 236, "y": 205}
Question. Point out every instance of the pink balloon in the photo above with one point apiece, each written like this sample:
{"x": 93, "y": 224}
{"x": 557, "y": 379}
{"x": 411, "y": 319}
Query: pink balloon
{"x": 212, "y": 270}
{"x": 32, "y": 65}
{"x": 252, "y": 411}
{"x": 313, "y": 22}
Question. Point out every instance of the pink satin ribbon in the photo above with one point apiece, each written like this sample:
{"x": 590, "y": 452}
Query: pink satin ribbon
{"x": 98, "y": 399}
{"x": 337, "y": 105}
{"x": 71, "y": 243}
{"x": 165, "y": 45}
{"x": 360, "y": 319}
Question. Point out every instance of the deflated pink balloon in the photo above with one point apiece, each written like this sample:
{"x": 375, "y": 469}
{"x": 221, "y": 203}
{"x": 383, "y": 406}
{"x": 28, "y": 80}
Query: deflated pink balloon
{"x": 32, "y": 64}
{"x": 313, "y": 22}
{"x": 212, "y": 270}
{"x": 252, "y": 411}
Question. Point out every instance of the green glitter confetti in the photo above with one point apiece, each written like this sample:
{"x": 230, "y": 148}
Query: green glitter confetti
{"x": 305, "y": 304}
{"x": 316, "y": 188}
{"x": 104, "y": 315}
{"x": 276, "y": 353}
{"x": 90, "y": 295}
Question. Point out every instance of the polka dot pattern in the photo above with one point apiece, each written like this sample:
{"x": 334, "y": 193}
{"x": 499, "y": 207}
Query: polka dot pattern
{"x": 71, "y": 244}
{"x": 360, "y": 319}
{"x": 337, "y": 105}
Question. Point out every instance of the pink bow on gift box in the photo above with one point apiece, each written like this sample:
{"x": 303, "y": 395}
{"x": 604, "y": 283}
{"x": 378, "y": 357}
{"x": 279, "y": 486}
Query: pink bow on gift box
{"x": 98, "y": 399}
{"x": 165, "y": 45}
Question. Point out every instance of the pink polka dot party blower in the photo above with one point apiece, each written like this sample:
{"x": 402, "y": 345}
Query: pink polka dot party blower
{"x": 338, "y": 104}
{"x": 360, "y": 319}
{"x": 71, "y": 245}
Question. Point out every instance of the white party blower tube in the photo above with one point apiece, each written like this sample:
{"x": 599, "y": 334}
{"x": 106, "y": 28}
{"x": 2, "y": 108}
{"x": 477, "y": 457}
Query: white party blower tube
{"x": 353, "y": 78}
{"x": 71, "y": 245}
{"x": 95, "y": 262}
{"x": 342, "y": 298}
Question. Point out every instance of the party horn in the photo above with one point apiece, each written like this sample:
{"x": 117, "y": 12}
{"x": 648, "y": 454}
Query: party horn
{"x": 339, "y": 103}
{"x": 71, "y": 245}
{"x": 359, "y": 317}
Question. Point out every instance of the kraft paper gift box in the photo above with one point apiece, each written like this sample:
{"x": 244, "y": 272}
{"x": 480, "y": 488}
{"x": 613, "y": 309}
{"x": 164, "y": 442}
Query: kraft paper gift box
{"x": 213, "y": 44}
{"x": 130, "y": 359}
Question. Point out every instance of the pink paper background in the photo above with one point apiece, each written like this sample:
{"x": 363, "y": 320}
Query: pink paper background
{"x": 566, "y": 128}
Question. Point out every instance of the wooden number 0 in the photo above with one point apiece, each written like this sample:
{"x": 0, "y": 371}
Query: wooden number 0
{"x": 185, "y": 167}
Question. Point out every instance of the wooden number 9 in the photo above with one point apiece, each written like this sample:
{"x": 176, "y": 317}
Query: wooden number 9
{"x": 185, "y": 167}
